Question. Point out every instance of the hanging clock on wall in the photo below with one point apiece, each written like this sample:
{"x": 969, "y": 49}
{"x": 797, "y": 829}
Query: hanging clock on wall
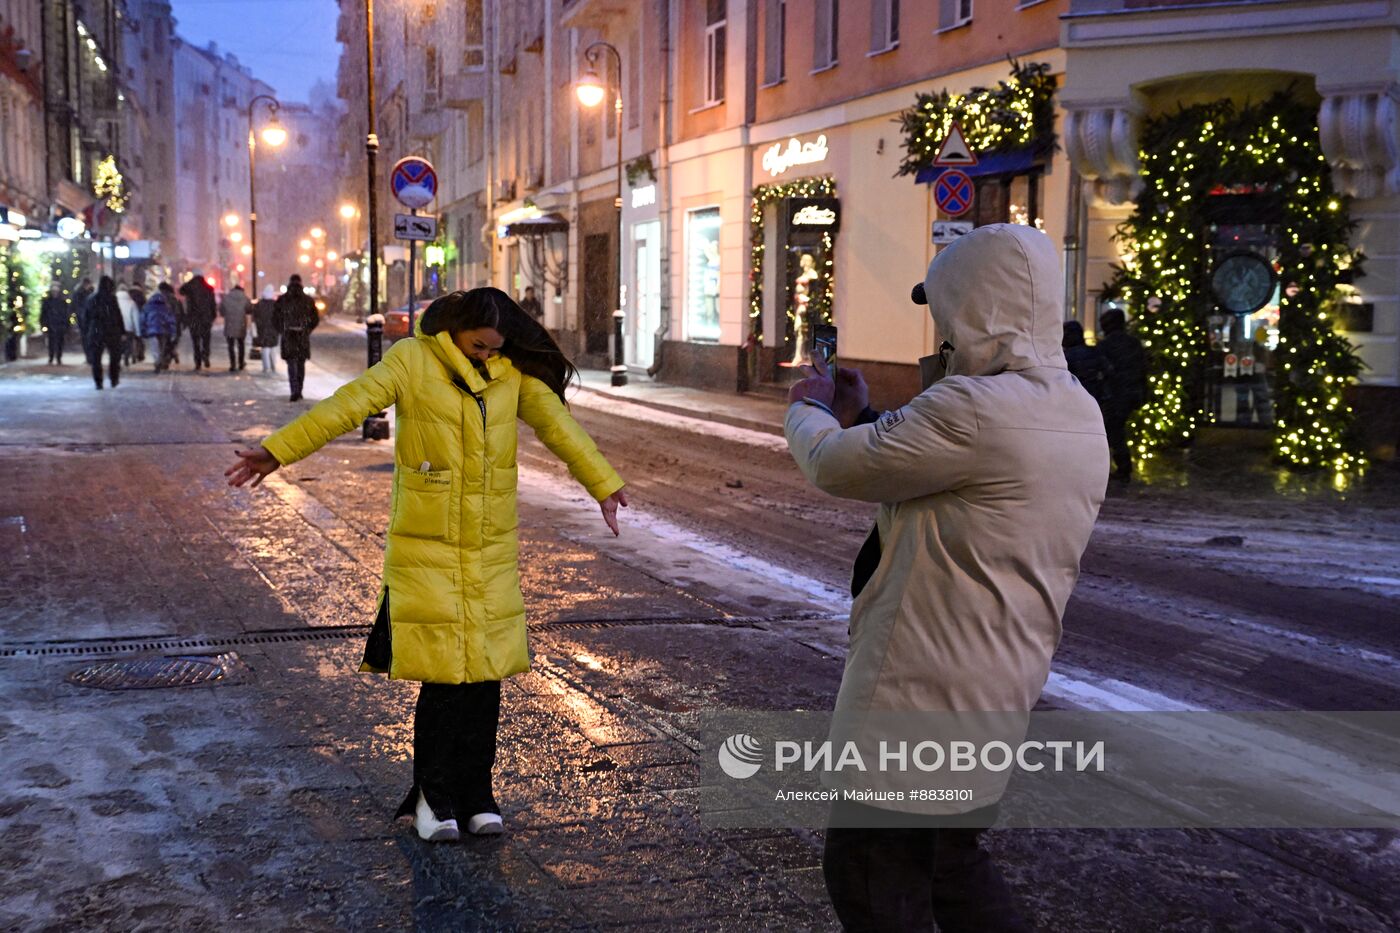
{"x": 1242, "y": 282}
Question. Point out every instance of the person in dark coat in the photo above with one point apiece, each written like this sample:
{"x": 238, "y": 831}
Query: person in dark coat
{"x": 1087, "y": 364}
{"x": 104, "y": 330}
{"x": 158, "y": 321}
{"x": 1127, "y": 383}
{"x": 267, "y": 336}
{"x": 235, "y": 309}
{"x": 531, "y": 305}
{"x": 295, "y": 318}
{"x": 200, "y": 311}
{"x": 54, "y": 315}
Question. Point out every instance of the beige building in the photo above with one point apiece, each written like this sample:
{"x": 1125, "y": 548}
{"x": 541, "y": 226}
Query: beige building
{"x": 1128, "y": 63}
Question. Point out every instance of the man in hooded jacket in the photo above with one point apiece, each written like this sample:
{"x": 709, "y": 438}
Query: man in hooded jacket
{"x": 200, "y": 311}
{"x": 989, "y": 483}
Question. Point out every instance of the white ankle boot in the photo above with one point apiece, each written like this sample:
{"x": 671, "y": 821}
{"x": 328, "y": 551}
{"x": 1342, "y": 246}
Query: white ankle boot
{"x": 431, "y": 828}
{"x": 486, "y": 824}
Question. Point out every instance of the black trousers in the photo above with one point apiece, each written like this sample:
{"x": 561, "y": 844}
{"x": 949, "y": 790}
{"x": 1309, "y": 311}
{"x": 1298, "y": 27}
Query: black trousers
{"x": 56, "y": 339}
{"x": 232, "y": 342}
{"x": 454, "y": 748}
{"x": 904, "y": 880}
{"x": 296, "y": 375}
{"x": 113, "y": 349}
{"x": 1115, "y": 423}
{"x": 200, "y": 337}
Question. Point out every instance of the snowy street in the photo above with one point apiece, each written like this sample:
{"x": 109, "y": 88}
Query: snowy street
{"x": 264, "y": 800}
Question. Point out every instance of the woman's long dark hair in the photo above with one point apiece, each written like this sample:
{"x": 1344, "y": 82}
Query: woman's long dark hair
{"x": 527, "y": 344}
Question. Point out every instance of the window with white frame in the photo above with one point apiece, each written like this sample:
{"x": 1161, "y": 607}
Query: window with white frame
{"x": 774, "y": 41}
{"x": 824, "y": 38}
{"x": 884, "y": 25}
{"x": 953, "y": 13}
{"x": 715, "y": 34}
{"x": 474, "y": 41}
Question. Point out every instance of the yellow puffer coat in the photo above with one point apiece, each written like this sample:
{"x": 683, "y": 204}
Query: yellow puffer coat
{"x": 456, "y": 614}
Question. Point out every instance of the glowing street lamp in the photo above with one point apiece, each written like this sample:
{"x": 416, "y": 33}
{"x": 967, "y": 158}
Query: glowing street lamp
{"x": 236, "y": 236}
{"x": 592, "y": 91}
{"x": 348, "y": 212}
{"x": 303, "y": 259}
{"x": 231, "y": 220}
{"x": 317, "y": 233}
{"x": 246, "y": 250}
{"x": 274, "y": 135}
{"x": 305, "y": 244}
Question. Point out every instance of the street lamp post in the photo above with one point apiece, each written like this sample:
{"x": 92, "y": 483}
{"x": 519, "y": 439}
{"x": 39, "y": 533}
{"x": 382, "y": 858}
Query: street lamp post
{"x": 591, "y": 92}
{"x": 273, "y": 135}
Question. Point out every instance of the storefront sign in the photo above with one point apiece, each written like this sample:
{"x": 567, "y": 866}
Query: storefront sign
{"x": 644, "y": 196}
{"x": 814, "y": 214}
{"x": 780, "y": 157}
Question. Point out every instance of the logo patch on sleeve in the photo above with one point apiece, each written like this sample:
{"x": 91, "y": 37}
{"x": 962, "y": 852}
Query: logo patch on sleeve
{"x": 890, "y": 420}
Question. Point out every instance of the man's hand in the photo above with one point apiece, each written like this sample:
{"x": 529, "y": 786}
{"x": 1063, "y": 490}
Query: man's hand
{"x": 852, "y": 396}
{"x": 609, "y": 507}
{"x": 252, "y": 464}
{"x": 817, "y": 385}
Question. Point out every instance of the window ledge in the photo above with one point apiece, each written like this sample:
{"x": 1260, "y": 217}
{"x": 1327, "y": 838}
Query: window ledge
{"x": 823, "y": 68}
{"x": 764, "y": 87}
{"x": 894, "y": 46}
{"x": 710, "y": 106}
{"x": 1027, "y": 4}
{"x": 962, "y": 25}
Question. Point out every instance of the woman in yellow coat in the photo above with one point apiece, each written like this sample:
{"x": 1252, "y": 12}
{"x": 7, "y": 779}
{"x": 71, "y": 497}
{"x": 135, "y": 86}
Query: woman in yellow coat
{"x": 450, "y": 611}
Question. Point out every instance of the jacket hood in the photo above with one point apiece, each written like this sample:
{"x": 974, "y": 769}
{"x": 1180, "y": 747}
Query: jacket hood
{"x": 997, "y": 295}
{"x": 456, "y": 363}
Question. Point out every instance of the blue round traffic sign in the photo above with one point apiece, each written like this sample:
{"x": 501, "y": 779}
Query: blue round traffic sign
{"x": 414, "y": 182}
{"x": 954, "y": 192}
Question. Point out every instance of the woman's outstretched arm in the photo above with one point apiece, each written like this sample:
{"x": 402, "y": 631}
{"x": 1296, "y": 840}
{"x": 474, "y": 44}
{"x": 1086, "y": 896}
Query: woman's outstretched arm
{"x": 375, "y": 390}
{"x": 542, "y": 410}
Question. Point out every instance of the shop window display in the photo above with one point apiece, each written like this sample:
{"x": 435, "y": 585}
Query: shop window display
{"x": 702, "y": 274}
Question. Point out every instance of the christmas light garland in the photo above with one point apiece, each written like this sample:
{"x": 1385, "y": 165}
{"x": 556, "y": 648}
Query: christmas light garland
{"x": 821, "y": 299}
{"x": 1018, "y": 113}
{"x": 1270, "y": 149}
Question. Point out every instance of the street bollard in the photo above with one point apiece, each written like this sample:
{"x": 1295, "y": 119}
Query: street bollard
{"x": 619, "y": 368}
{"x": 376, "y": 426}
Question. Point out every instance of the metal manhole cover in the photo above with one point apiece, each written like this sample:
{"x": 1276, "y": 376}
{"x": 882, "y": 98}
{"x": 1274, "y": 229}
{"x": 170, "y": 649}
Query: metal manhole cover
{"x": 150, "y": 673}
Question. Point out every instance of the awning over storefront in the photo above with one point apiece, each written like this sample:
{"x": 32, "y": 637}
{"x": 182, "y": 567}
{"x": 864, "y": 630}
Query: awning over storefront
{"x": 998, "y": 163}
{"x": 537, "y": 226}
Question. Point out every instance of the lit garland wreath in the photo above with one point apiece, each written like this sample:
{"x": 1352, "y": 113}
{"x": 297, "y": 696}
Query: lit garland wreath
{"x": 763, "y": 195}
{"x": 1019, "y": 113}
{"x": 1270, "y": 147}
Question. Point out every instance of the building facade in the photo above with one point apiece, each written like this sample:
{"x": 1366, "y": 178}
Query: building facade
{"x": 23, "y": 186}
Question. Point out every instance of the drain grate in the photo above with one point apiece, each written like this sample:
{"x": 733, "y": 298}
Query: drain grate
{"x": 193, "y": 646}
{"x": 155, "y": 673}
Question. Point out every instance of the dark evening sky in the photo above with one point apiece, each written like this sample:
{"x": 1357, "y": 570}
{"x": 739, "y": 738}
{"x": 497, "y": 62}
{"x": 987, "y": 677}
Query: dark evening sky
{"x": 290, "y": 44}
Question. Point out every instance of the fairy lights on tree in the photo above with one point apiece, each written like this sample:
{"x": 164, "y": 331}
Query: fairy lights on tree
{"x": 1270, "y": 149}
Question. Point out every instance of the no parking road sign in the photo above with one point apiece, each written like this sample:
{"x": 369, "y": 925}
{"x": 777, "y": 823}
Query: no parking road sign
{"x": 954, "y": 193}
{"x": 414, "y": 182}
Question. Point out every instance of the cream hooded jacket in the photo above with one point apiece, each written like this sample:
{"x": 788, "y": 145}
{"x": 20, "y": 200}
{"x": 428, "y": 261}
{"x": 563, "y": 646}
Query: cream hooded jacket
{"x": 989, "y": 483}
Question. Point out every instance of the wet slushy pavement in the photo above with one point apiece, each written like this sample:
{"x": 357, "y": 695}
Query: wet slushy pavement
{"x": 264, "y": 802}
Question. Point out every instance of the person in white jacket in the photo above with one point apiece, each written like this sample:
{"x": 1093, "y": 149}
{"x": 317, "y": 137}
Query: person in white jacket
{"x": 989, "y": 483}
{"x": 133, "y": 348}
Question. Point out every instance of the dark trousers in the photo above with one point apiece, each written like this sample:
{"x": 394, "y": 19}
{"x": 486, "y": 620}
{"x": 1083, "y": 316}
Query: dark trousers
{"x": 296, "y": 375}
{"x": 232, "y": 342}
{"x": 454, "y": 747}
{"x": 1115, "y": 423}
{"x": 199, "y": 336}
{"x": 905, "y": 880}
{"x": 167, "y": 344}
{"x": 113, "y": 349}
{"x": 56, "y": 338}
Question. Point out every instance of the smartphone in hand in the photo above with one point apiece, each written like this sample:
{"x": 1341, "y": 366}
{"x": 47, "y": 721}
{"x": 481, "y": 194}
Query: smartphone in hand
{"x": 824, "y": 346}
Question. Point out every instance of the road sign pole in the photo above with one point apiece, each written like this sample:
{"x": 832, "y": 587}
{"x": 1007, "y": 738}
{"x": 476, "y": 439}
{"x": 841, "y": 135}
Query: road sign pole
{"x": 412, "y": 267}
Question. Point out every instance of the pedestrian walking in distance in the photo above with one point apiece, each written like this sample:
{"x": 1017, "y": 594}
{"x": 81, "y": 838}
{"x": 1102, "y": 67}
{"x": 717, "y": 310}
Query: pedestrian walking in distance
{"x": 265, "y": 337}
{"x": 450, "y": 611}
{"x": 104, "y": 331}
{"x": 159, "y": 321}
{"x": 54, "y": 315}
{"x": 989, "y": 483}
{"x": 294, "y": 316}
{"x": 200, "y": 311}
{"x": 531, "y": 305}
{"x": 1087, "y": 364}
{"x": 235, "y": 308}
{"x": 133, "y": 351}
{"x": 1127, "y": 383}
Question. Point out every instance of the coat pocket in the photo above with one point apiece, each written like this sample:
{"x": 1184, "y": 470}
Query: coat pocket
{"x": 423, "y": 505}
